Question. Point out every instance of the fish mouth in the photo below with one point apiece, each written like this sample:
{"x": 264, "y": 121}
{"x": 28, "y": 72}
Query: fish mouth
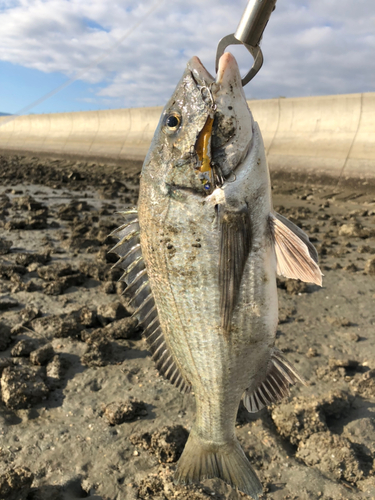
{"x": 222, "y": 143}
{"x": 199, "y": 73}
{"x": 228, "y": 72}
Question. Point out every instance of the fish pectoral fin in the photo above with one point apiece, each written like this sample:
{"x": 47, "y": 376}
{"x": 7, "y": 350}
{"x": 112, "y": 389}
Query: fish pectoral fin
{"x": 235, "y": 242}
{"x": 296, "y": 256}
{"x": 280, "y": 376}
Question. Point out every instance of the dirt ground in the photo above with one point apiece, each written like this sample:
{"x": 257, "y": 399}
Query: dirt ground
{"x": 83, "y": 412}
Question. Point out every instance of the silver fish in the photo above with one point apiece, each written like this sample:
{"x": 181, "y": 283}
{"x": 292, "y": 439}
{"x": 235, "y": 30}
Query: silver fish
{"x": 201, "y": 257}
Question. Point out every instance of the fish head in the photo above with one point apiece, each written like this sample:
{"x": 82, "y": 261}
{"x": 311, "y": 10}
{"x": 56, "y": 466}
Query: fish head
{"x": 204, "y": 132}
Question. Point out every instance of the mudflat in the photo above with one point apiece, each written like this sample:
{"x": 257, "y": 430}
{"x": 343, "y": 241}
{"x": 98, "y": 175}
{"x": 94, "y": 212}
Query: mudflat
{"x": 83, "y": 412}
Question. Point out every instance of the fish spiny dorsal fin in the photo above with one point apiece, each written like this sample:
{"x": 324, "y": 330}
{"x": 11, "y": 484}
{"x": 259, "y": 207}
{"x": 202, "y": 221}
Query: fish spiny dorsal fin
{"x": 280, "y": 376}
{"x": 139, "y": 291}
{"x": 235, "y": 242}
{"x": 296, "y": 256}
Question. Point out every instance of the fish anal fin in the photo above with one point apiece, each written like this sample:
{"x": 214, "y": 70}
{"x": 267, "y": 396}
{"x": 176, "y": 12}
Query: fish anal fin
{"x": 295, "y": 255}
{"x": 280, "y": 376}
{"x": 235, "y": 242}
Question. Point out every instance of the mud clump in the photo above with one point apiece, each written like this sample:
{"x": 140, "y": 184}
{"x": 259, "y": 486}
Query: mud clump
{"x": 299, "y": 419}
{"x": 125, "y": 411}
{"x": 24, "y": 347}
{"x": 15, "y": 484}
{"x": 333, "y": 455}
{"x": 306, "y": 424}
{"x": 55, "y": 371}
{"x": 370, "y": 266}
{"x": 167, "y": 444}
{"x": 5, "y": 246}
{"x": 42, "y": 355}
{"x": 23, "y": 387}
{"x": 5, "y": 336}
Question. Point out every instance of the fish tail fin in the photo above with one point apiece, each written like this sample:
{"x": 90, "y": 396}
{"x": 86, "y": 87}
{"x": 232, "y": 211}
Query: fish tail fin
{"x": 228, "y": 462}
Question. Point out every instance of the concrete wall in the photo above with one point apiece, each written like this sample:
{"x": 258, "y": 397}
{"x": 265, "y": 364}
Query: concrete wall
{"x": 333, "y": 135}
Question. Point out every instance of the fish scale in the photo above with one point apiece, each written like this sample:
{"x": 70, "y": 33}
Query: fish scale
{"x": 211, "y": 246}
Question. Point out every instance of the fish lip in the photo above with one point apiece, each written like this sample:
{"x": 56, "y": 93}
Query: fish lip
{"x": 228, "y": 71}
{"x": 199, "y": 73}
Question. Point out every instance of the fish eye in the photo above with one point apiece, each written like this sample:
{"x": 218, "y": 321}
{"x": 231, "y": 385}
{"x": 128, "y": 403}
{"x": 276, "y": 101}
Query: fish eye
{"x": 172, "y": 122}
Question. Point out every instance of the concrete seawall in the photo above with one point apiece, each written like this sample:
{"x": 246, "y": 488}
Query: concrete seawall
{"x": 324, "y": 135}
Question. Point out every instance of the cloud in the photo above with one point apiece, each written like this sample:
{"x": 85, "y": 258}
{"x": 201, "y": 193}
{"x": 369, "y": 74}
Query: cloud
{"x": 310, "y": 47}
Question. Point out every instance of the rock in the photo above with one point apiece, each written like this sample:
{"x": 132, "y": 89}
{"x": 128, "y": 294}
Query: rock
{"x": 364, "y": 249}
{"x": 124, "y": 411}
{"x": 312, "y": 353}
{"x": 370, "y": 266}
{"x": 293, "y": 287}
{"x": 344, "y": 363}
{"x": 42, "y": 355}
{"x": 56, "y": 370}
{"x": 100, "y": 349}
{"x": 361, "y": 431}
{"x": 15, "y": 483}
{"x": 57, "y": 326}
{"x": 30, "y": 313}
{"x": 303, "y": 417}
{"x": 86, "y": 316}
{"x": 47, "y": 492}
{"x": 111, "y": 312}
{"x": 22, "y": 387}
{"x": 5, "y": 246}
{"x": 365, "y": 386}
{"x": 55, "y": 288}
{"x": 167, "y": 444}
{"x": 7, "y": 303}
{"x": 150, "y": 487}
{"x": 24, "y": 347}
{"x": 352, "y": 268}
{"x": 54, "y": 271}
{"x": 331, "y": 454}
{"x": 67, "y": 212}
{"x": 5, "y": 336}
{"x": 61, "y": 284}
{"x": 354, "y": 229}
{"x": 27, "y": 203}
{"x": 126, "y": 328}
{"x": 25, "y": 259}
{"x": 4, "y": 363}
{"x": 9, "y": 271}
{"x": 109, "y": 287}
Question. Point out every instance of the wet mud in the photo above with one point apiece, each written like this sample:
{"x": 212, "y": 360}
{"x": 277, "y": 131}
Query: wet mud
{"x": 83, "y": 411}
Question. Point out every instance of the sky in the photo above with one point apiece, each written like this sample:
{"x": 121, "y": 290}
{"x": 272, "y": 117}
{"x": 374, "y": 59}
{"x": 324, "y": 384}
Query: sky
{"x": 310, "y": 47}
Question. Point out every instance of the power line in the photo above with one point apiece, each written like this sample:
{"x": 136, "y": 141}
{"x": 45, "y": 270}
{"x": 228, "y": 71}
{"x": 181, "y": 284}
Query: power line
{"x": 84, "y": 70}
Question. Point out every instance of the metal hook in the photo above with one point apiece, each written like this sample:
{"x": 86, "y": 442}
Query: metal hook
{"x": 210, "y": 94}
{"x": 249, "y": 33}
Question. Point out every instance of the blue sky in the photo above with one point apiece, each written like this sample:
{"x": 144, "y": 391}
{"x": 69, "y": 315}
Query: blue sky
{"x": 311, "y": 47}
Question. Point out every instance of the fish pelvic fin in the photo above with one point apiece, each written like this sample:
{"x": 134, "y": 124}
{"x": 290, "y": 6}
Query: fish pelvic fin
{"x": 296, "y": 256}
{"x": 280, "y": 376}
{"x": 202, "y": 460}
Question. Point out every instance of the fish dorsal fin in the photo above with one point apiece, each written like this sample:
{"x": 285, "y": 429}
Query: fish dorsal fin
{"x": 296, "y": 256}
{"x": 235, "y": 241}
{"x": 280, "y": 376}
{"x": 138, "y": 288}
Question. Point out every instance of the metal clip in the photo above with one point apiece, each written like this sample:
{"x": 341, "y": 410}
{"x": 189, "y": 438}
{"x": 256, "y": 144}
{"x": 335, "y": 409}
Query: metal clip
{"x": 249, "y": 33}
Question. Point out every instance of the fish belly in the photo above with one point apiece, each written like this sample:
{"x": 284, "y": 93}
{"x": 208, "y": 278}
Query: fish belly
{"x": 180, "y": 245}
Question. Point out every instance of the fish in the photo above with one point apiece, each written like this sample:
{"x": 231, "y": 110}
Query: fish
{"x": 200, "y": 256}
